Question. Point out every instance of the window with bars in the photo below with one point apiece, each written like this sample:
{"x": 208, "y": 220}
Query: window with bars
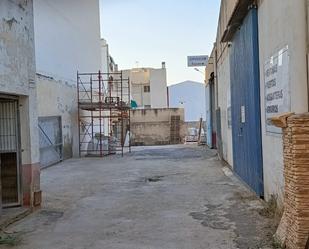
{"x": 8, "y": 126}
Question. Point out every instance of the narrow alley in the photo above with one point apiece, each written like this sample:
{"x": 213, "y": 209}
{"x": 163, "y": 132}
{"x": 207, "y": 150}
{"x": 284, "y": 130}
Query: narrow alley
{"x": 154, "y": 124}
{"x": 179, "y": 197}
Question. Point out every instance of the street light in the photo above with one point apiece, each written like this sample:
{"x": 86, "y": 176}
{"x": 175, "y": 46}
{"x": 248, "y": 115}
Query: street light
{"x": 200, "y": 71}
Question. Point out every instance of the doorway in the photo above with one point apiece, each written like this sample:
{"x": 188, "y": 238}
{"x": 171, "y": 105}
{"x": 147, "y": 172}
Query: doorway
{"x": 10, "y": 152}
{"x": 245, "y": 98}
{"x": 175, "y": 130}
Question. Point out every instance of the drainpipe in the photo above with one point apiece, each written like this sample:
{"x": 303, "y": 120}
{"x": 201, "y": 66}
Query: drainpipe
{"x": 216, "y": 79}
{"x": 168, "y": 97}
{"x": 216, "y": 87}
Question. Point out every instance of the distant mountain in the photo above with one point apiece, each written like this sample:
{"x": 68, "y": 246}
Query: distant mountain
{"x": 191, "y": 96}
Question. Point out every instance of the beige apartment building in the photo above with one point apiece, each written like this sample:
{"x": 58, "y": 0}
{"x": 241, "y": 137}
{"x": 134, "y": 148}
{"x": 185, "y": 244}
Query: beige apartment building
{"x": 148, "y": 86}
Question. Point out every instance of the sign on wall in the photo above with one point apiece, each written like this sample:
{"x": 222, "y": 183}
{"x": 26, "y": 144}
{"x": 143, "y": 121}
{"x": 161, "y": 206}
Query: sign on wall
{"x": 277, "y": 88}
{"x": 198, "y": 61}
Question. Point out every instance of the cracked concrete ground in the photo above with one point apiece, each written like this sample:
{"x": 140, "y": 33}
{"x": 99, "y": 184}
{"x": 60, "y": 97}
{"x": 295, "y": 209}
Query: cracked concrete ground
{"x": 171, "y": 197}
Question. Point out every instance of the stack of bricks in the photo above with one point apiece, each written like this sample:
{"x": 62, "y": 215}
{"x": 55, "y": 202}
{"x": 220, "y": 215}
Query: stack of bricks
{"x": 296, "y": 173}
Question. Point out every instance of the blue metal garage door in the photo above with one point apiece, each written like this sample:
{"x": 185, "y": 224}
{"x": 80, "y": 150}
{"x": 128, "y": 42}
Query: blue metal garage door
{"x": 245, "y": 98}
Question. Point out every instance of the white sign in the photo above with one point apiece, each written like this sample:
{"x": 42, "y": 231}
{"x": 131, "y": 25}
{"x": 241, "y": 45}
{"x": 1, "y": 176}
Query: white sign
{"x": 198, "y": 61}
{"x": 229, "y": 109}
{"x": 243, "y": 114}
{"x": 277, "y": 88}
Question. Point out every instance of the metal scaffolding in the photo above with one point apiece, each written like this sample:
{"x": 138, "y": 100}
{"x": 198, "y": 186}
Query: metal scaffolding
{"x": 103, "y": 113}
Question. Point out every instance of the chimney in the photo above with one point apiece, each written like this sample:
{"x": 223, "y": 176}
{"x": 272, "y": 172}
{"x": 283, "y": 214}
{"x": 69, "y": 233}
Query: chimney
{"x": 163, "y": 65}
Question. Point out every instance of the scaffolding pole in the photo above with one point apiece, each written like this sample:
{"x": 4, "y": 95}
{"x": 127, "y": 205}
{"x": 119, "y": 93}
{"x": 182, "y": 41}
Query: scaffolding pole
{"x": 103, "y": 113}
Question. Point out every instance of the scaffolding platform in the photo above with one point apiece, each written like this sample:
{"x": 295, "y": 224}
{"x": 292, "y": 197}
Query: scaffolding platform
{"x": 104, "y": 113}
{"x": 99, "y": 105}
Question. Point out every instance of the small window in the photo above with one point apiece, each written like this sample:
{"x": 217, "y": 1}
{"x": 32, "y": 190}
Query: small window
{"x": 146, "y": 89}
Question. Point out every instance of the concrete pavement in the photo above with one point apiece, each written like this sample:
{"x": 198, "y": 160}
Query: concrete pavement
{"x": 170, "y": 197}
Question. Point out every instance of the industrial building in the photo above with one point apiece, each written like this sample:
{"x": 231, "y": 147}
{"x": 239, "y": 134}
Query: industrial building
{"x": 189, "y": 95}
{"x": 257, "y": 72}
{"x": 244, "y": 111}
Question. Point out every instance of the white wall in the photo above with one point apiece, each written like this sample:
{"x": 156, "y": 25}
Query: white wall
{"x": 17, "y": 70}
{"x": 56, "y": 98}
{"x": 17, "y": 77}
{"x": 224, "y": 101}
{"x": 67, "y": 37}
{"x": 282, "y": 23}
{"x": 158, "y": 88}
{"x": 107, "y": 62}
{"x": 192, "y": 95}
{"x": 104, "y": 56}
{"x": 222, "y": 82}
{"x": 155, "y": 78}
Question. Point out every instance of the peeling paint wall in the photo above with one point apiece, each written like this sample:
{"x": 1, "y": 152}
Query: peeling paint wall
{"x": 17, "y": 67}
{"x": 17, "y": 64}
{"x": 58, "y": 98}
{"x": 17, "y": 77}
{"x": 153, "y": 126}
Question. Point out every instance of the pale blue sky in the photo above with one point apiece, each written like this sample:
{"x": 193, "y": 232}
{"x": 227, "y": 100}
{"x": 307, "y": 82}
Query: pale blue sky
{"x": 152, "y": 31}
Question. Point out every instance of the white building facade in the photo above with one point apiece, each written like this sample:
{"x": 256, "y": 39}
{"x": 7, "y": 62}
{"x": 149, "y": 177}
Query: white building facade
{"x": 108, "y": 63}
{"x": 67, "y": 40}
{"x": 148, "y": 86}
{"x": 67, "y": 37}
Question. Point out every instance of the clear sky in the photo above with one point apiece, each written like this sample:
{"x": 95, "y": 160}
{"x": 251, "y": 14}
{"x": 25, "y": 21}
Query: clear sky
{"x": 152, "y": 31}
